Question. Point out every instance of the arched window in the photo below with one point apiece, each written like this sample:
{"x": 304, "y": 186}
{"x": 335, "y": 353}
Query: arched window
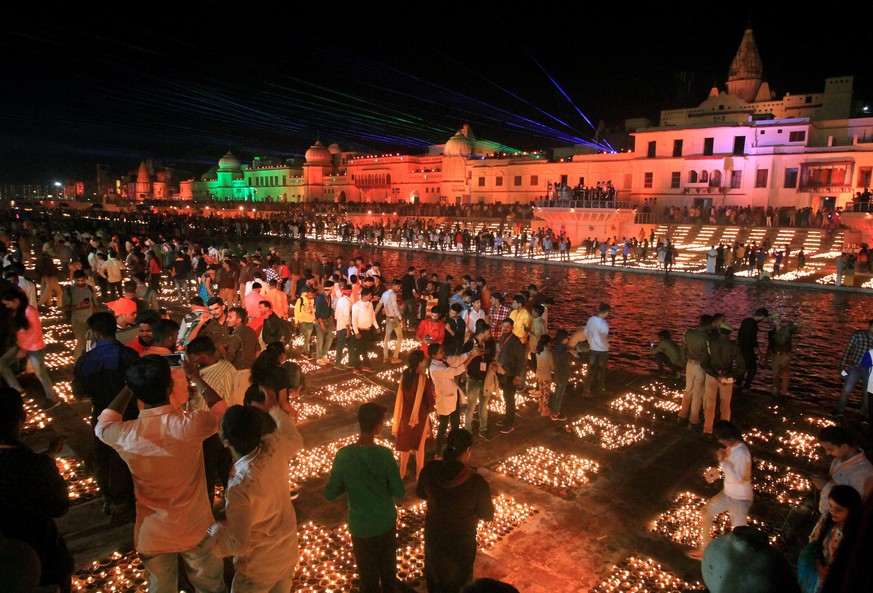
{"x": 704, "y": 176}
{"x": 715, "y": 179}
{"x": 692, "y": 176}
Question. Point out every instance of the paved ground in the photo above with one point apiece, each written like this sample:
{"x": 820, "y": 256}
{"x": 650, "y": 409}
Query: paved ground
{"x": 591, "y": 506}
{"x": 603, "y": 515}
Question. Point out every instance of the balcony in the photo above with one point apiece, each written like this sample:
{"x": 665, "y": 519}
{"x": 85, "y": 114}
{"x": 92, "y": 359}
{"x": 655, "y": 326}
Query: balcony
{"x": 585, "y": 204}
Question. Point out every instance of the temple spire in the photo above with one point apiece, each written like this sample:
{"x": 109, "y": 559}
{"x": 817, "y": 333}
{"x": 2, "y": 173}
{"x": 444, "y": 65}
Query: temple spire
{"x": 747, "y": 71}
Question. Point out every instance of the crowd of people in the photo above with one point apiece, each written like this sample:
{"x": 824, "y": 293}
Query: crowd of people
{"x": 194, "y": 416}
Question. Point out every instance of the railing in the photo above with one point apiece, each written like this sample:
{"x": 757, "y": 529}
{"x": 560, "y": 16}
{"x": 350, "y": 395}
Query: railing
{"x": 585, "y": 204}
{"x": 858, "y": 207}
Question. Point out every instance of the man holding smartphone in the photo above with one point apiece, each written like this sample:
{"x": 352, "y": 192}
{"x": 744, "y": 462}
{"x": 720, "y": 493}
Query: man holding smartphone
{"x": 78, "y": 304}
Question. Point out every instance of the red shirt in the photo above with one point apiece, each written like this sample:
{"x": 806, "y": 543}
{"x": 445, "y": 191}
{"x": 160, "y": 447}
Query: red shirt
{"x": 137, "y": 345}
{"x": 435, "y": 329}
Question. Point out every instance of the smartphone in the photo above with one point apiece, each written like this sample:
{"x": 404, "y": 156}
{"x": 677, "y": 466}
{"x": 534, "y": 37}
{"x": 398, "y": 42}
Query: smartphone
{"x": 175, "y": 360}
{"x": 844, "y": 373}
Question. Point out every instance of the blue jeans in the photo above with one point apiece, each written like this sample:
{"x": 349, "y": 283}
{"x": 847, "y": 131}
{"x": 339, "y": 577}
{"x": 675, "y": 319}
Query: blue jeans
{"x": 323, "y": 339}
{"x": 558, "y": 395}
{"x": 343, "y": 342}
{"x": 855, "y": 374}
{"x": 37, "y": 361}
{"x": 306, "y": 329}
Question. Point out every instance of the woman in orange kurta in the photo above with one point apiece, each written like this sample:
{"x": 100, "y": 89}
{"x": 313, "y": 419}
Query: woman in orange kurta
{"x": 414, "y": 403}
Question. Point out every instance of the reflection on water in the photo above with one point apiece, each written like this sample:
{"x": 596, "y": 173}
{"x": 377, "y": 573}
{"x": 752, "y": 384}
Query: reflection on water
{"x": 644, "y": 304}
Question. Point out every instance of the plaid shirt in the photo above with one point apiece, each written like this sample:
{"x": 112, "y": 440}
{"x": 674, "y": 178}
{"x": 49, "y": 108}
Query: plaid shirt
{"x": 498, "y": 313}
{"x": 860, "y": 342}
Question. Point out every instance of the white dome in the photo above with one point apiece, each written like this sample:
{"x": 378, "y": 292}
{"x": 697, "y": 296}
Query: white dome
{"x": 229, "y": 163}
{"x": 318, "y": 155}
{"x": 459, "y": 145}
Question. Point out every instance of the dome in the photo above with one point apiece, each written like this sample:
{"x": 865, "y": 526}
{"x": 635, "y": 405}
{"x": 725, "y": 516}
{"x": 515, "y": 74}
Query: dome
{"x": 459, "y": 145}
{"x": 209, "y": 175}
{"x": 229, "y": 162}
{"x": 334, "y": 149}
{"x": 318, "y": 155}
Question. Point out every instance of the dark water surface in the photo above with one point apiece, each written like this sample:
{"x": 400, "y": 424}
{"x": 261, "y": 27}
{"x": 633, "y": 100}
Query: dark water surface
{"x": 643, "y": 304}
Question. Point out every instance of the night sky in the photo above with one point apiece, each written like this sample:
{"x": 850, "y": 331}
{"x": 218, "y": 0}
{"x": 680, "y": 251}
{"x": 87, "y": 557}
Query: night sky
{"x": 185, "y": 88}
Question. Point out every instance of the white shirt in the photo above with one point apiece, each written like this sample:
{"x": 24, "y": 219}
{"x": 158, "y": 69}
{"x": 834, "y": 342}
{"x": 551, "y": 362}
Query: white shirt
{"x": 854, "y": 472}
{"x": 164, "y": 451}
{"x": 111, "y": 270}
{"x": 737, "y": 468}
{"x": 443, "y": 373}
{"x": 29, "y": 289}
{"x": 471, "y": 316}
{"x": 363, "y": 316}
{"x": 261, "y": 529}
{"x": 389, "y": 303}
{"x": 597, "y": 332}
{"x": 343, "y": 313}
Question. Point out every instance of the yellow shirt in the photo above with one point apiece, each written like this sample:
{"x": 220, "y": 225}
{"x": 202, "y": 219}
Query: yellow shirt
{"x": 521, "y": 322}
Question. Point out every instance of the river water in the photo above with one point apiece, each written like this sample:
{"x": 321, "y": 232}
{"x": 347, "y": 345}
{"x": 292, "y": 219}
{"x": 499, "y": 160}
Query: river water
{"x": 643, "y": 304}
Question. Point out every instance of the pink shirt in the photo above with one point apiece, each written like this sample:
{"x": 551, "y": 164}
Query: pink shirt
{"x": 164, "y": 450}
{"x": 251, "y": 302}
{"x": 30, "y": 339}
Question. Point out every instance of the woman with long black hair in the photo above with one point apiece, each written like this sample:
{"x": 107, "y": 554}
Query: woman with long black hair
{"x": 457, "y": 499}
{"x": 30, "y": 343}
{"x": 817, "y": 557}
{"x": 414, "y": 403}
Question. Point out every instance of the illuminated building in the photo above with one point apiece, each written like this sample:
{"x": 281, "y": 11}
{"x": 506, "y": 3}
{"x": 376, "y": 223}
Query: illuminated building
{"x": 742, "y": 146}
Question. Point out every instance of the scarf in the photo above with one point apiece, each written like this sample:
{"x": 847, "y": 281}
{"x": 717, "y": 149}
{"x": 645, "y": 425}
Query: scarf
{"x": 398, "y": 403}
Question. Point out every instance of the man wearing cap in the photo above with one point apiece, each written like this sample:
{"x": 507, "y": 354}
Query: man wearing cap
{"x": 747, "y": 340}
{"x": 724, "y": 366}
{"x": 779, "y": 346}
{"x": 597, "y": 332}
{"x": 125, "y": 316}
